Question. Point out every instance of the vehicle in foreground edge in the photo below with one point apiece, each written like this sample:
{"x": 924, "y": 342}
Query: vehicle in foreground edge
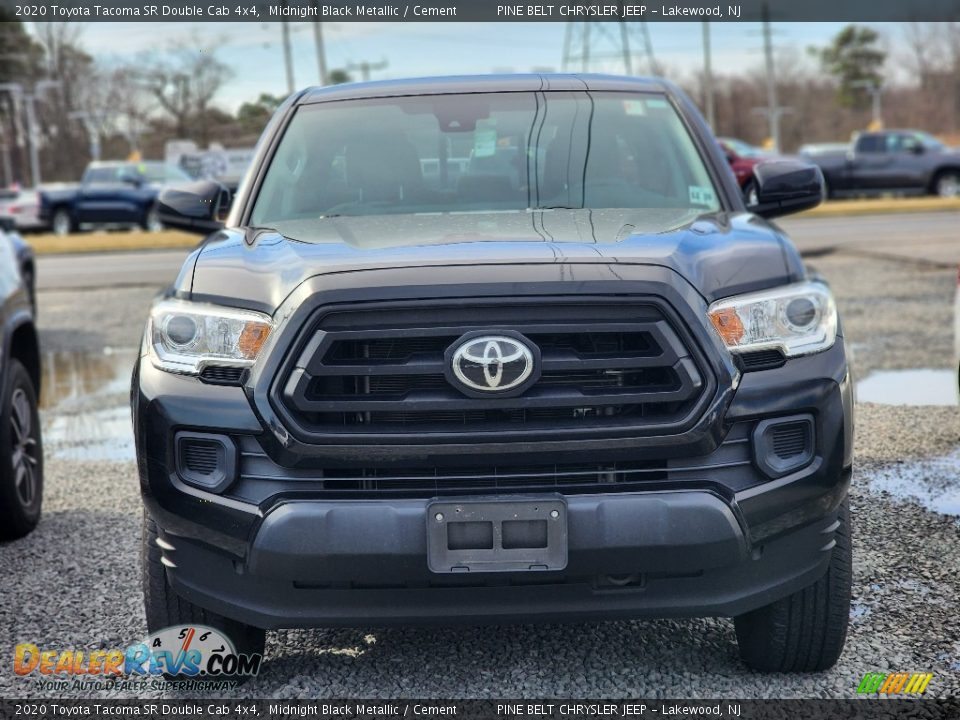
{"x": 21, "y": 451}
{"x": 497, "y": 349}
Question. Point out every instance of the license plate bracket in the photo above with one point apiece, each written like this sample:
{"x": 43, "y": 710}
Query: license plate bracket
{"x": 497, "y": 535}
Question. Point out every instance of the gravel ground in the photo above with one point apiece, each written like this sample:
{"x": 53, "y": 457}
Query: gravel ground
{"x": 77, "y": 577}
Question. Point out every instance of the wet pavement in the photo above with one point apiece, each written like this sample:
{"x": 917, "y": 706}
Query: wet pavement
{"x": 84, "y": 404}
{"x": 933, "y": 483}
{"x": 909, "y": 387}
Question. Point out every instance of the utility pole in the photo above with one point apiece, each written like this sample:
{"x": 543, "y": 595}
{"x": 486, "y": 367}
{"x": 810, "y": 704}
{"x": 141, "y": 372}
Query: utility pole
{"x": 708, "y": 78}
{"x": 287, "y": 56}
{"x": 366, "y": 67}
{"x": 321, "y": 52}
{"x": 588, "y": 46}
{"x": 773, "y": 109}
{"x": 30, "y": 109}
{"x": 89, "y": 121}
{"x": 876, "y": 93}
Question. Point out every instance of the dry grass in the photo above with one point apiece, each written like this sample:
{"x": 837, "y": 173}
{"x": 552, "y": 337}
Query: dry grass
{"x": 878, "y": 206}
{"x": 102, "y": 241}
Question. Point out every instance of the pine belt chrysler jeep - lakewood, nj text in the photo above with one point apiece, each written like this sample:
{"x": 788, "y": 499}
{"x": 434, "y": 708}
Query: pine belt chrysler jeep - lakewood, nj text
{"x": 497, "y": 349}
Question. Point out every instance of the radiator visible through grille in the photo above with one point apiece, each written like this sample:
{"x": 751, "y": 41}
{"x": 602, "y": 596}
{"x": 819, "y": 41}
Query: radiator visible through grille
{"x": 602, "y": 364}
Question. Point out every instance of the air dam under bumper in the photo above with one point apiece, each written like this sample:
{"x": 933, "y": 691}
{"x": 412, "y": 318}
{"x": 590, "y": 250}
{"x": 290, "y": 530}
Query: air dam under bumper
{"x": 345, "y": 563}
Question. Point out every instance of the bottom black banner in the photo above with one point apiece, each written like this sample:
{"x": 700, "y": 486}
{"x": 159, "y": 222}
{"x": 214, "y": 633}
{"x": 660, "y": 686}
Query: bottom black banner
{"x": 933, "y": 709}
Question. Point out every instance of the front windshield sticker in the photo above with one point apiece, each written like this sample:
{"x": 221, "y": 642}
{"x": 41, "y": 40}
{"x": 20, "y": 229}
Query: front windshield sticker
{"x": 700, "y": 195}
{"x": 484, "y": 143}
{"x": 634, "y": 107}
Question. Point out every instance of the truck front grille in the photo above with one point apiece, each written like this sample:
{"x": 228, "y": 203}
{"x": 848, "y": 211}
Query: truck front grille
{"x": 604, "y": 363}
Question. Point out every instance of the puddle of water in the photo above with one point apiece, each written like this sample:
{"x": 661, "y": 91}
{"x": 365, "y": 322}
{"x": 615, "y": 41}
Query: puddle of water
{"x": 909, "y": 387}
{"x": 84, "y": 405}
{"x": 73, "y": 376}
{"x": 934, "y": 483}
{"x": 96, "y": 435}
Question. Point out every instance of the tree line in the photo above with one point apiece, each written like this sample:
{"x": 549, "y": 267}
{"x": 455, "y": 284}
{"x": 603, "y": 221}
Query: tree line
{"x": 84, "y": 106}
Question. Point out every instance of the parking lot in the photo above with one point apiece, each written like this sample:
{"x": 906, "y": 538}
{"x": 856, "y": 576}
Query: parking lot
{"x": 75, "y": 582}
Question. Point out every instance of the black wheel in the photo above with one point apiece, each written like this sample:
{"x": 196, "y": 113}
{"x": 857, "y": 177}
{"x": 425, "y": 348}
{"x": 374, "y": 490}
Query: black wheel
{"x": 62, "y": 223}
{"x": 806, "y": 631}
{"x": 151, "y": 221}
{"x": 750, "y": 192}
{"x": 21, "y": 455}
{"x": 164, "y": 608}
{"x": 947, "y": 184}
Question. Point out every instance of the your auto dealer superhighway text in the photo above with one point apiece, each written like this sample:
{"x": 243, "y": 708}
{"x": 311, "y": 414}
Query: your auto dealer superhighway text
{"x": 614, "y": 11}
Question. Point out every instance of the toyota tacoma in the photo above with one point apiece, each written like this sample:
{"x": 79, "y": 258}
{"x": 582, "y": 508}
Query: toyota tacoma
{"x": 496, "y": 349}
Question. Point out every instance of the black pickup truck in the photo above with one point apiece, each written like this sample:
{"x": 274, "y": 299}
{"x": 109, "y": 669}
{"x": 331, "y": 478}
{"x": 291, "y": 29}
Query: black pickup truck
{"x": 907, "y": 162}
{"x": 109, "y": 193}
{"x": 495, "y": 349}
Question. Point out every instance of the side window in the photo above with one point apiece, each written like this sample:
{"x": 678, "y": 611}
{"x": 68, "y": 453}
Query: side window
{"x": 871, "y": 144}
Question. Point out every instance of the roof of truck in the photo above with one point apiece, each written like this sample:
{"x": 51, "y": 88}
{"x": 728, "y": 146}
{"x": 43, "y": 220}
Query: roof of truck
{"x": 508, "y": 82}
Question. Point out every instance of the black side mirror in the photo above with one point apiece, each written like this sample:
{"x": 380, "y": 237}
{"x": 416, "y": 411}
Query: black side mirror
{"x": 197, "y": 207}
{"x": 917, "y": 148}
{"x": 786, "y": 186}
{"x": 7, "y": 224}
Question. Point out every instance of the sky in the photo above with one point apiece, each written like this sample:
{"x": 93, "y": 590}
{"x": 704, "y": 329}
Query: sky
{"x": 254, "y": 50}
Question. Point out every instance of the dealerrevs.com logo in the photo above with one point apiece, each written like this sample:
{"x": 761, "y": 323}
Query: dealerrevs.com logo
{"x": 178, "y": 653}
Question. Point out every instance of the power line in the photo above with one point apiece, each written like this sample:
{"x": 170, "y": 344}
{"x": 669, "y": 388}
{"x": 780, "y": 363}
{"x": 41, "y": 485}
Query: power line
{"x": 589, "y": 46}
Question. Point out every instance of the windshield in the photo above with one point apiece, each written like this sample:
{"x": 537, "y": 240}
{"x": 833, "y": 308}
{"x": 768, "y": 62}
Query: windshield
{"x": 483, "y": 152}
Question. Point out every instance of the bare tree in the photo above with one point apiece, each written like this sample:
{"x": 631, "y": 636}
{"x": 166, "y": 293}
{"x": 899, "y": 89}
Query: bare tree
{"x": 185, "y": 82}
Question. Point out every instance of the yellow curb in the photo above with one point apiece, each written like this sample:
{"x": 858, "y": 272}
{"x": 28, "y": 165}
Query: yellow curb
{"x": 110, "y": 242}
{"x": 880, "y": 206}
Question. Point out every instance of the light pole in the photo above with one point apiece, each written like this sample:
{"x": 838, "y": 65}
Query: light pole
{"x": 876, "y": 93}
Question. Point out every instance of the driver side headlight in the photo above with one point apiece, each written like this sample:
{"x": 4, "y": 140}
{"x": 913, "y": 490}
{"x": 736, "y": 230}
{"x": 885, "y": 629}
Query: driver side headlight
{"x": 184, "y": 337}
{"x": 796, "y": 319}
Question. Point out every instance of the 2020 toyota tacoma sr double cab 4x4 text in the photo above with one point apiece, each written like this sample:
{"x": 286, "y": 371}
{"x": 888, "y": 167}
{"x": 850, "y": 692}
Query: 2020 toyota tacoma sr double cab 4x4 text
{"x": 497, "y": 349}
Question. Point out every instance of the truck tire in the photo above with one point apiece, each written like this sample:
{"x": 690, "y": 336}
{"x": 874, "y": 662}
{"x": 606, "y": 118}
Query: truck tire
{"x": 164, "y": 608}
{"x": 61, "y": 222}
{"x": 21, "y": 455}
{"x": 806, "y": 631}
{"x": 947, "y": 183}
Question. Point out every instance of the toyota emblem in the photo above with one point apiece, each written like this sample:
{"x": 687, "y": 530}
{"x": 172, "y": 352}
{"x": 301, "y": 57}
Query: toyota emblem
{"x": 492, "y": 363}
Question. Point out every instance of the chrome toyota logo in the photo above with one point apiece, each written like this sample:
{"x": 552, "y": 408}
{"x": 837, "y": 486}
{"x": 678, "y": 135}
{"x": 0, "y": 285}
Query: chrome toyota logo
{"x": 492, "y": 363}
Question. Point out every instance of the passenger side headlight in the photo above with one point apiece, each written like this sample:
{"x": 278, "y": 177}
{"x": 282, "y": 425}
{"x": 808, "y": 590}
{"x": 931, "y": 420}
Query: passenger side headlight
{"x": 184, "y": 337}
{"x": 796, "y": 319}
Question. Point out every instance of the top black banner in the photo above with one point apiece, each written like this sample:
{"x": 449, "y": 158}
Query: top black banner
{"x": 480, "y": 11}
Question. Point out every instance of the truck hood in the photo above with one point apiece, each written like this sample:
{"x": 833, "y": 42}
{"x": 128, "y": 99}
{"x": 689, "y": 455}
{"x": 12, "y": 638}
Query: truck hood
{"x": 720, "y": 254}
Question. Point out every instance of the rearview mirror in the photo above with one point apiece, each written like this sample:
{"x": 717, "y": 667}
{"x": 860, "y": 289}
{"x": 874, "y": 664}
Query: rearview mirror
{"x": 786, "y": 186}
{"x": 197, "y": 207}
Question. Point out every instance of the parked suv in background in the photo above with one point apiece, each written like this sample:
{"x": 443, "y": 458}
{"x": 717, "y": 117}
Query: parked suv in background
{"x": 21, "y": 452}
{"x": 565, "y": 374}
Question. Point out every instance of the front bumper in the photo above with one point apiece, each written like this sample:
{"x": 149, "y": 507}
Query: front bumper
{"x": 716, "y": 544}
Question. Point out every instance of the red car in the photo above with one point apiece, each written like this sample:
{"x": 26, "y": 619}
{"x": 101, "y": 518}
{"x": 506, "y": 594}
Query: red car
{"x": 743, "y": 158}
